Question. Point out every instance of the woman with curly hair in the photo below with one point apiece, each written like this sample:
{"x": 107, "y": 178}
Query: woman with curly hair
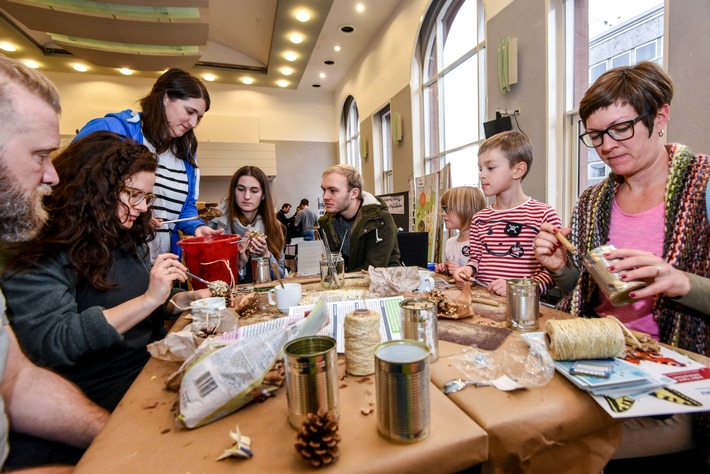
{"x": 248, "y": 210}
{"x": 82, "y": 296}
{"x": 169, "y": 113}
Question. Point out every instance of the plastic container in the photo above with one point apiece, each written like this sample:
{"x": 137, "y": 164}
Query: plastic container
{"x": 207, "y": 256}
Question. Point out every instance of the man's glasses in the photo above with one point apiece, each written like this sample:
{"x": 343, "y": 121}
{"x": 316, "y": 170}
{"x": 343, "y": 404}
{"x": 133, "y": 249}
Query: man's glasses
{"x": 136, "y": 196}
{"x": 619, "y": 132}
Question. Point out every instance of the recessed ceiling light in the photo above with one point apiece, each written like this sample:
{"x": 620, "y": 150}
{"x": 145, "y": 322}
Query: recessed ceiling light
{"x": 209, "y": 77}
{"x": 290, "y": 56}
{"x": 247, "y": 80}
{"x": 329, "y": 62}
{"x": 316, "y": 85}
{"x": 322, "y": 75}
{"x": 303, "y": 16}
{"x": 347, "y": 29}
{"x": 125, "y": 71}
{"x": 80, "y": 68}
{"x": 296, "y": 38}
{"x": 337, "y": 47}
{"x": 5, "y": 46}
{"x": 32, "y": 64}
{"x": 360, "y": 7}
{"x": 282, "y": 83}
{"x": 286, "y": 71}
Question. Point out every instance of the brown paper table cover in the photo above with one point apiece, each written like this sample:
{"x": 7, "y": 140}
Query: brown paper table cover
{"x": 141, "y": 436}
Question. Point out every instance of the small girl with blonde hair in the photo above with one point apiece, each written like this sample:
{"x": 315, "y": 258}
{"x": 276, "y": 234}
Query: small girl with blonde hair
{"x": 458, "y": 205}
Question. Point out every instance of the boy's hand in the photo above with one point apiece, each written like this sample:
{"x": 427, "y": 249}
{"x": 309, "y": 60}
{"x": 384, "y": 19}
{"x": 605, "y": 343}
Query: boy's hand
{"x": 463, "y": 274}
{"x": 440, "y": 268}
{"x": 498, "y": 287}
{"x": 547, "y": 247}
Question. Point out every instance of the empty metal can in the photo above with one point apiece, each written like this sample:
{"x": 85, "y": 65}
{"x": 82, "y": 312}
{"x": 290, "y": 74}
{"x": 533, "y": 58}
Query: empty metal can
{"x": 418, "y": 317}
{"x": 261, "y": 273}
{"x": 402, "y": 386}
{"x": 311, "y": 377}
{"x": 523, "y": 308}
{"x": 614, "y": 288}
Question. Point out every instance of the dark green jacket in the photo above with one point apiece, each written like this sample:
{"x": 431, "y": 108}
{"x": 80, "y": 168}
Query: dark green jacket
{"x": 373, "y": 240}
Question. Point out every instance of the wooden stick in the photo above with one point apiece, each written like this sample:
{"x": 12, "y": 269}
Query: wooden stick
{"x": 275, "y": 268}
{"x": 566, "y": 243}
{"x": 476, "y": 299}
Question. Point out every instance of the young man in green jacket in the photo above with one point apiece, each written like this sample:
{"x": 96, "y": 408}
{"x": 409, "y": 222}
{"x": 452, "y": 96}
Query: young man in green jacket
{"x": 356, "y": 221}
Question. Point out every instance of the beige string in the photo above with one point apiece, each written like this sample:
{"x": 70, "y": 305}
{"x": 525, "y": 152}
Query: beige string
{"x": 362, "y": 335}
{"x": 581, "y": 338}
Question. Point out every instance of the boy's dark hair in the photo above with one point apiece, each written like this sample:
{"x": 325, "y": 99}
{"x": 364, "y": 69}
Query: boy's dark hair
{"x": 514, "y": 145}
{"x": 304, "y": 202}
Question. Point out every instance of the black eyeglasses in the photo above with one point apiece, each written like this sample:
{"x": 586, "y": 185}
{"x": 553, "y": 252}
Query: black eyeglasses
{"x": 619, "y": 132}
{"x": 444, "y": 208}
{"x": 136, "y": 196}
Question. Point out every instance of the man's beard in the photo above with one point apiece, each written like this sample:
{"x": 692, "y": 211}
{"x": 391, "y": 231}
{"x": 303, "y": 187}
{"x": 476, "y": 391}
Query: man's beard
{"x": 21, "y": 214}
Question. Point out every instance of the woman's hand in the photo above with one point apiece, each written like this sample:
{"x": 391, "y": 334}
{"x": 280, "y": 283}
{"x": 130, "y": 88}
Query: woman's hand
{"x": 204, "y": 230}
{"x": 547, "y": 247}
{"x": 155, "y": 222}
{"x": 463, "y": 274}
{"x": 166, "y": 269}
{"x": 660, "y": 276}
{"x": 181, "y": 301}
{"x": 257, "y": 246}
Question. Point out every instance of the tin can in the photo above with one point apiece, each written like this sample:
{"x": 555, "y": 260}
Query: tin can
{"x": 523, "y": 309}
{"x": 614, "y": 288}
{"x": 261, "y": 273}
{"x": 332, "y": 271}
{"x": 402, "y": 386}
{"x": 418, "y": 317}
{"x": 311, "y": 377}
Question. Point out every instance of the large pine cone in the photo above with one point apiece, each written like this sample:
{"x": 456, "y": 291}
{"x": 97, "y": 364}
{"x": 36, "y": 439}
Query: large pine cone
{"x": 318, "y": 439}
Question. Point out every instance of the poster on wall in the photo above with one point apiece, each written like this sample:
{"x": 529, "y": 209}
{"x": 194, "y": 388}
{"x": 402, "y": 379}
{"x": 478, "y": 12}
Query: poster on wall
{"x": 426, "y": 209}
{"x": 398, "y": 204}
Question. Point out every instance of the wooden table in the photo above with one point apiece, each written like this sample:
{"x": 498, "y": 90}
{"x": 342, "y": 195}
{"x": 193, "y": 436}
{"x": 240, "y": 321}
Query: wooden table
{"x": 141, "y": 436}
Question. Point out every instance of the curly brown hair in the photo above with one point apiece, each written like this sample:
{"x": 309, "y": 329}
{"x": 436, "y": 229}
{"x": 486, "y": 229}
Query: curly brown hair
{"x": 176, "y": 84}
{"x": 83, "y": 219}
{"x": 274, "y": 227}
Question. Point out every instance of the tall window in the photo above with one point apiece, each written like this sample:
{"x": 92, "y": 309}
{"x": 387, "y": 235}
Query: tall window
{"x": 604, "y": 34}
{"x": 452, "y": 45}
{"x": 383, "y": 122}
{"x": 351, "y": 126}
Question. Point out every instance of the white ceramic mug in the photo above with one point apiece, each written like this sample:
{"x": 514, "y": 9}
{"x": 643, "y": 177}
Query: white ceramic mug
{"x": 284, "y": 298}
{"x": 427, "y": 283}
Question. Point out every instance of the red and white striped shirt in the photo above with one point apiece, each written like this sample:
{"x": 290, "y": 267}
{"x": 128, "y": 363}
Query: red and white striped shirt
{"x": 501, "y": 242}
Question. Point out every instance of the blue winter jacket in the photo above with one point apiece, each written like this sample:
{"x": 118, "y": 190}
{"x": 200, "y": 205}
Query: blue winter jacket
{"x": 128, "y": 123}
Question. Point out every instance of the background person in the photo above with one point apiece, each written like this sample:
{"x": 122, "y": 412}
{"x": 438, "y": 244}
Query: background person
{"x": 82, "y": 295}
{"x": 249, "y": 208}
{"x": 458, "y": 205}
{"x": 286, "y": 221}
{"x": 169, "y": 114}
{"x": 357, "y": 222}
{"x": 37, "y": 402}
{"x": 306, "y": 220}
{"x": 502, "y": 234}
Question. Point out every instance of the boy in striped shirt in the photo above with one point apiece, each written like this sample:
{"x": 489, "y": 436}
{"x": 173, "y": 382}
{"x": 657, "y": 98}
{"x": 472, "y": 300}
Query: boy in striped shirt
{"x": 502, "y": 234}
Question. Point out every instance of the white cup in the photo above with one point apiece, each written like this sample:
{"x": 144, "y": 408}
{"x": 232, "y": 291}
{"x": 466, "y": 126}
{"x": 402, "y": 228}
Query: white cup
{"x": 427, "y": 283}
{"x": 208, "y": 305}
{"x": 284, "y": 298}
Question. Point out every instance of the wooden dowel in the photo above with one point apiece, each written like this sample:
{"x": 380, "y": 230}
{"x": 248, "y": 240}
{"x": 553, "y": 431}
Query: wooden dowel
{"x": 566, "y": 243}
{"x": 475, "y": 299}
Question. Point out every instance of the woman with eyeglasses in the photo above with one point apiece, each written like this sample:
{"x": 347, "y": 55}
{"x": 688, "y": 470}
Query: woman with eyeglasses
{"x": 651, "y": 208}
{"x": 248, "y": 210}
{"x": 82, "y": 296}
{"x": 169, "y": 114}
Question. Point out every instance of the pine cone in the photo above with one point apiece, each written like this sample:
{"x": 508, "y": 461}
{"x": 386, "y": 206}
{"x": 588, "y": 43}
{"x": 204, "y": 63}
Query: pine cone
{"x": 318, "y": 439}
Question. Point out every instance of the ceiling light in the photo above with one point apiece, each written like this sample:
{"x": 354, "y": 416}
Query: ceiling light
{"x": 303, "y": 16}
{"x": 322, "y": 75}
{"x": 209, "y": 77}
{"x": 360, "y": 7}
{"x": 80, "y": 68}
{"x": 296, "y": 38}
{"x": 337, "y": 48}
{"x": 347, "y": 29}
{"x": 5, "y": 46}
{"x": 328, "y": 62}
{"x": 247, "y": 80}
{"x": 282, "y": 83}
{"x": 125, "y": 71}
{"x": 286, "y": 71}
{"x": 316, "y": 85}
{"x": 290, "y": 56}
{"x": 31, "y": 64}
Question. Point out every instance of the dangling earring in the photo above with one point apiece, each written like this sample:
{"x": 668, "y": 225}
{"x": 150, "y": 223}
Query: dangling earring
{"x": 660, "y": 134}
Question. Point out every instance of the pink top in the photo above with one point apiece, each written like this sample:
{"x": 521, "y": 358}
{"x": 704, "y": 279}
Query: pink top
{"x": 643, "y": 231}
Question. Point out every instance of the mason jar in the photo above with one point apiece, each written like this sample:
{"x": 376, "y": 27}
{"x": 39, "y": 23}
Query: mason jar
{"x": 332, "y": 271}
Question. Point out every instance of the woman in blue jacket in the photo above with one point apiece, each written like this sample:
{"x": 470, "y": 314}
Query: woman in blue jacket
{"x": 170, "y": 112}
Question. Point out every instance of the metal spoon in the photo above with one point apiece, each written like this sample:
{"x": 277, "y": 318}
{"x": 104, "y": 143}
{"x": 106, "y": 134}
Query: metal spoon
{"x": 454, "y": 385}
{"x": 195, "y": 277}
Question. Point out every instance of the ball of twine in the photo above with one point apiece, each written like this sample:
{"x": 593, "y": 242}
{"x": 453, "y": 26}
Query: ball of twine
{"x": 362, "y": 335}
{"x": 580, "y": 338}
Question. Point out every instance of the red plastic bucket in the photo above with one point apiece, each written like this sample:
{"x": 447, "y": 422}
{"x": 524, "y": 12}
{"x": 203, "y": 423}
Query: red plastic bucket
{"x": 206, "y": 256}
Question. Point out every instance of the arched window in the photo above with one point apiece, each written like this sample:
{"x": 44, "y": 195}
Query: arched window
{"x": 351, "y": 127}
{"x": 452, "y": 50}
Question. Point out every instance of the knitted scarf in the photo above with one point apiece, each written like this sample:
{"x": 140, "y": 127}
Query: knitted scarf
{"x": 686, "y": 245}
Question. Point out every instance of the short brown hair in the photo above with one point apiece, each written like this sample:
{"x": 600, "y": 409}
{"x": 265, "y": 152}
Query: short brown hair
{"x": 351, "y": 173}
{"x": 645, "y": 86}
{"x": 514, "y": 145}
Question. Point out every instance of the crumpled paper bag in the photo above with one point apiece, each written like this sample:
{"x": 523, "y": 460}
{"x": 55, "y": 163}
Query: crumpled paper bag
{"x": 389, "y": 281}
